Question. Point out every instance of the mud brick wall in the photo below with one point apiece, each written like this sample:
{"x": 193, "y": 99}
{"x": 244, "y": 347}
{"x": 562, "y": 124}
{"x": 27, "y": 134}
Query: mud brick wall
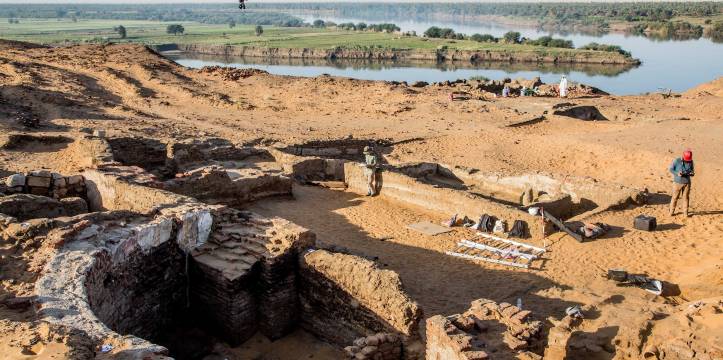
{"x": 309, "y": 168}
{"x": 140, "y": 295}
{"x": 109, "y": 192}
{"x": 228, "y": 306}
{"x": 91, "y": 151}
{"x": 486, "y": 330}
{"x": 278, "y": 296}
{"x": 344, "y": 297}
{"x": 212, "y": 149}
{"x": 380, "y": 346}
{"x": 146, "y": 153}
{"x": 406, "y": 189}
{"x": 216, "y": 185}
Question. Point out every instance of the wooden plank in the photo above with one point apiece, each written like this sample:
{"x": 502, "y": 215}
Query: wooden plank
{"x": 560, "y": 225}
{"x": 428, "y": 228}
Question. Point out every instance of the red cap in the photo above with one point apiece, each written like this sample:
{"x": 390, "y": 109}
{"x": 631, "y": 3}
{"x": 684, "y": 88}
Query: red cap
{"x": 687, "y": 155}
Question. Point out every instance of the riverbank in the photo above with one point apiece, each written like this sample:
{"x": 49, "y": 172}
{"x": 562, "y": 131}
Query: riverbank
{"x": 526, "y": 54}
{"x": 299, "y": 42}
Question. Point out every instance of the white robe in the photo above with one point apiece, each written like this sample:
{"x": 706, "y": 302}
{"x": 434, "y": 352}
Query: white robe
{"x": 563, "y": 87}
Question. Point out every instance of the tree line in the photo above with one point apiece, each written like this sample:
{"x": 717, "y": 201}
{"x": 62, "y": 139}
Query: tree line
{"x": 514, "y": 37}
{"x": 202, "y": 13}
{"x": 629, "y": 11}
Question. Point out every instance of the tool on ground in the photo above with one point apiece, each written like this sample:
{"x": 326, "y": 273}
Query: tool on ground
{"x": 560, "y": 225}
{"x": 623, "y": 278}
{"x": 497, "y": 250}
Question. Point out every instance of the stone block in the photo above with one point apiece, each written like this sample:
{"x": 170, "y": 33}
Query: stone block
{"x": 75, "y": 179}
{"x": 15, "y": 180}
{"x": 39, "y": 181}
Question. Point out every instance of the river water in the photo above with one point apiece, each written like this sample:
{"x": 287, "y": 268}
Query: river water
{"x": 674, "y": 64}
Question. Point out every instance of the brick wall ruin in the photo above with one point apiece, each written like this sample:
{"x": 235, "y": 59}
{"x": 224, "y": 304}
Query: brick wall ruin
{"x": 407, "y": 189}
{"x": 147, "y": 256}
{"x": 344, "y": 297}
{"x": 244, "y": 279}
{"x": 381, "y": 346}
{"x": 139, "y": 296}
{"x": 486, "y": 330}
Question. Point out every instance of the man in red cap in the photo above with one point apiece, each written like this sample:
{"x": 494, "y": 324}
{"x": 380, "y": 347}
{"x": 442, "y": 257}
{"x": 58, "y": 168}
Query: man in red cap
{"x": 682, "y": 169}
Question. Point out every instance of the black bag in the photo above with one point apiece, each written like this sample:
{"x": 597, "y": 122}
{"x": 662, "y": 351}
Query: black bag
{"x": 645, "y": 223}
{"x": 519, "y": 229}
{"x": 486, "y": 223}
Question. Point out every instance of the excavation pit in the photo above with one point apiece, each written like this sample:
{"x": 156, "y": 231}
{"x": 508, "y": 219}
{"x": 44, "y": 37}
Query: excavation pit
{"x": 224, "y": 276}
{"x": 228, "y": 275}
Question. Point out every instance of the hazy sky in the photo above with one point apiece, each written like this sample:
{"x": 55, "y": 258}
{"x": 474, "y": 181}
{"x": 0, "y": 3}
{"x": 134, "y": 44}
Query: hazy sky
{"x": 269, "y": 1}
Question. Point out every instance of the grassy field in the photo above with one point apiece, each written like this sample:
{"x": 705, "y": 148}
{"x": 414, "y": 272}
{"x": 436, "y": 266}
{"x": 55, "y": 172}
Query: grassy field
{"x": 150, "y": 32}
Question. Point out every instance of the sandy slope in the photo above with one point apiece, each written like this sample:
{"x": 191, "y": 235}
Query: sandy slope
{"x": 129, "y": 91}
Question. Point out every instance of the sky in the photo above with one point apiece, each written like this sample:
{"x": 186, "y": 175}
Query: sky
{"x": 271, "y": 1}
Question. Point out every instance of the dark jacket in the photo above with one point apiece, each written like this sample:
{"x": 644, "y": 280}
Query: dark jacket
{"x": 679, "y": 166}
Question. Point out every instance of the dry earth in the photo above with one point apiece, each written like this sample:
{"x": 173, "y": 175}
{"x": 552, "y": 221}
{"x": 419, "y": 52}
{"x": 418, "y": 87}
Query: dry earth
{"x": 128, "y": 90}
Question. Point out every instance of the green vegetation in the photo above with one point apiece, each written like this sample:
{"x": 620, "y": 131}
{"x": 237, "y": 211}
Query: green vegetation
{"x": 175, "y": 29}
{"x": 154, "y": 32}
{"x": 479, "y": 78}
{"x": 669, "y": 29}
{"x": 511, "y": 37}
{"x": 605, "y": 47}
{"x": 563, "y": 12}
{"x": 549, "y": 41}
{"x": 715, "y": 32}
{"x": 442, "y": 33}
{"x": 202, "y": 13}
{"x": 120, "y": 29}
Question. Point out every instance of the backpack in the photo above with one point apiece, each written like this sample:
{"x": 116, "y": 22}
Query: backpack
{"x": 519, "y": 229}
{"x": 486, "y": 223}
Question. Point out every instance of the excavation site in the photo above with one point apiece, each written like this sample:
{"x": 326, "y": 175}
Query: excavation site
{"x": 151, "y": 211}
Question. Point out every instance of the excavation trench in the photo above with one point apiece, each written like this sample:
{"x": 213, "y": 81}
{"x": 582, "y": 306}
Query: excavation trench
{"x": 203, "y": 279}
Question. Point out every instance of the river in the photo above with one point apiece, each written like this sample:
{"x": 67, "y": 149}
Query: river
{"x": 666, "y": 64}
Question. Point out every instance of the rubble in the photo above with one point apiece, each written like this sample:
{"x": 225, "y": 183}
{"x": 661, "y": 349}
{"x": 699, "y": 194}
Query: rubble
{"x": 486, "y": 330}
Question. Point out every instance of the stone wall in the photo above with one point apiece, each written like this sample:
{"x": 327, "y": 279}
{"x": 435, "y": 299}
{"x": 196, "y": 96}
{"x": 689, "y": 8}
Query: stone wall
{"x": 309, "y": 168}
{"x": 406, "y": 189}
{"x": 196, "y": 151}
{"x": 486, "y": 330}
{"x": 344, "y": 297}
{"x": 110, "y": 192}
{"x": 46, "y": 183}
{"x": 26, "y": 206}
{"x": 229, "y": 186}
{"x": 380, "y": 346}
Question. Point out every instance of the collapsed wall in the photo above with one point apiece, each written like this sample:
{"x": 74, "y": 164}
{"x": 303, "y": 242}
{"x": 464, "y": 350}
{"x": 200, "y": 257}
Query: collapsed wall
{"x": 486, "y": 330}
{"x": 344, "y": 298}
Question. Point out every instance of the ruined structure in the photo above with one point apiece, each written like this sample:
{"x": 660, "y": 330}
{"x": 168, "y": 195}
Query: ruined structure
{"x": 486, "y": 331}
{"x": 136, "y": 259}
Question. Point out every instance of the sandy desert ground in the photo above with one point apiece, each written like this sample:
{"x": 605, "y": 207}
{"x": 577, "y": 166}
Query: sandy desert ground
{"x": 128, "y": 90}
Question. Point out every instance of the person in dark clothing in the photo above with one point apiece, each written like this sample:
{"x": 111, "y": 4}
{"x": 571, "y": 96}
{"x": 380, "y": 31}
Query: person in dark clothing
{"x": 682, "y": 169}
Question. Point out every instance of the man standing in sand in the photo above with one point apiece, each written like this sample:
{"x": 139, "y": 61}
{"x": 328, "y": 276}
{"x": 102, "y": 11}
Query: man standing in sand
{"x": 371, "y": 163}
{"x": 682, "y": 169}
